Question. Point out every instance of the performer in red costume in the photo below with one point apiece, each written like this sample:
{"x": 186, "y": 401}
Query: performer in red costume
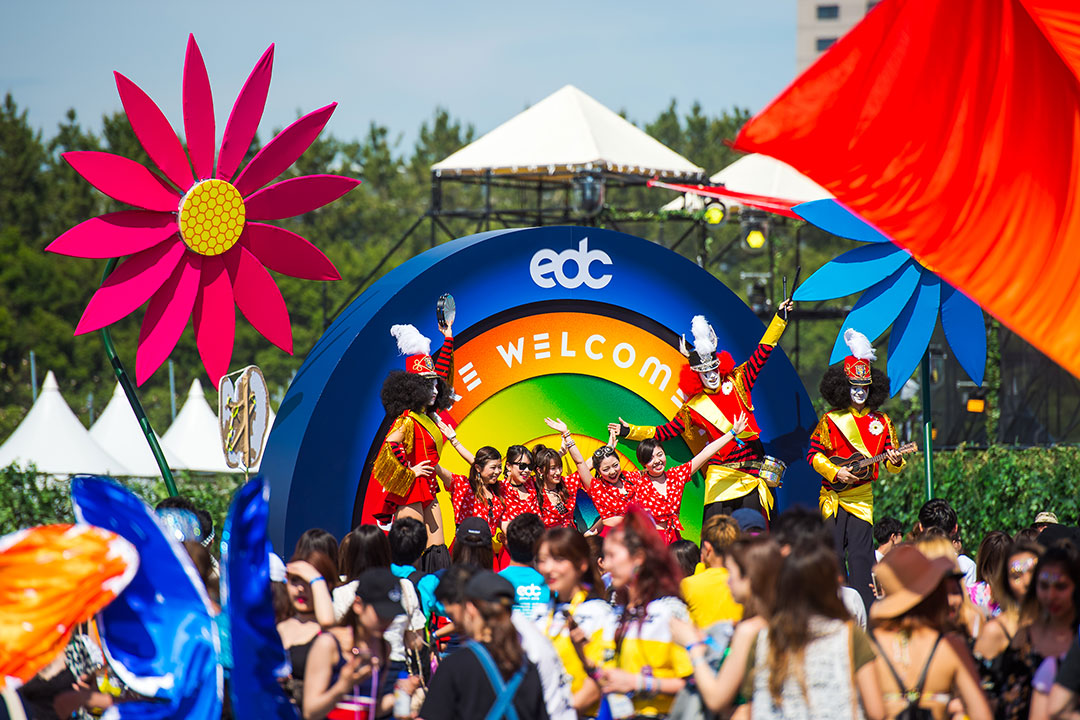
{"x": 717, "y": 391}
{"x": 853, "y": 427}
{"x": 405, "y": 466}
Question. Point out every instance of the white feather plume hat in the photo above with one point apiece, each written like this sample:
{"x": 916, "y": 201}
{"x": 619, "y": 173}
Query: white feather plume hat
{"x": 857, "y": 364}
{"x": 417, "y": 349}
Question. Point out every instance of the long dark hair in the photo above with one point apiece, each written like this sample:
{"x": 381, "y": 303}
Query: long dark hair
{"x": 759, "y": 560}
{"x": 543, "y": 458}
{"x": 1062, "y": 555}
{"x": 520, "y": 454}
{"x": 808, "y": 586}
{"x": 483, "y": 456}
{"x": 565, "y": 543}
{"x": 836, "y": 388}
{"x": 1000, "y": 584}
{"x": 500, "y": 637}
{"x": 931, "y": 612}
{"x": 317, "y": 540}
{"x": 471, "y": 550}
{"x": 321, "y": 562}
{"x": 993, "y": 553}
{"x": 365, "y": 547}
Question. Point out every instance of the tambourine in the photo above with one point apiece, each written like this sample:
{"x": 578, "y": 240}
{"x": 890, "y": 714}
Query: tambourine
{"x": 445, "y": 310}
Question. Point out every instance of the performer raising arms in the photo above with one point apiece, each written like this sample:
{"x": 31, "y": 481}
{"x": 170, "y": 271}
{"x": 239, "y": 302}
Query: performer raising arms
{"x": 602, "y": 477}
{"x": 405, "y": 466}
{"x": 519, "y": 491}
{"x": 853, "y": 427}
{"x": 479, "y": 494}
{"x": 661, "y": 490}
{"x": 717, "y": 390}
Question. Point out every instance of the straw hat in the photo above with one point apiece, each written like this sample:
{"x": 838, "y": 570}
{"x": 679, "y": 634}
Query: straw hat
{"x": 907, "y": 577}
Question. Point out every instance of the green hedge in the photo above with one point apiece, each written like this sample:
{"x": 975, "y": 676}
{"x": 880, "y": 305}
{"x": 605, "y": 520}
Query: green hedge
{"x": 28, "y": 499}
{"x": 1000, "y": 488}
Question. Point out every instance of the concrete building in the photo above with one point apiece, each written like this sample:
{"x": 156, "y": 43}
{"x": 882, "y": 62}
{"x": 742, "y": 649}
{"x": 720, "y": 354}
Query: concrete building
{"x": 820, "y": 23}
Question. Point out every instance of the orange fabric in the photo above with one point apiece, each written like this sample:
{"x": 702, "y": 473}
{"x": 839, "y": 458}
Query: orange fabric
{"x": 51, "y": 579}
{"x": 954, "y": 127}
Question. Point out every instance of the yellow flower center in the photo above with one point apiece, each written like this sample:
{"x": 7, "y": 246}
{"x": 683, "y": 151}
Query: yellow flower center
{"x": 211, "y": 217}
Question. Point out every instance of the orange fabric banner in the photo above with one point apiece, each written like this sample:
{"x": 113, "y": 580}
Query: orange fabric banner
{"x": 953, "y": 126}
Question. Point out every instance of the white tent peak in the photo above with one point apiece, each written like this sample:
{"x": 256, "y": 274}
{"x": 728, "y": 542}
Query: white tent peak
{"x": 119, "y": 433}
{"x": 195, "y": 436}
{"x": 567, "y": 132}
{"x": 757, "y": 174}
{"x": 52, "y": 438}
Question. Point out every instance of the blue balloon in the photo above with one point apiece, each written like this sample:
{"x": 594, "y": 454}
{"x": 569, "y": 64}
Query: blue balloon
{"x": 258, "y": 657}
{"x": 159, "y": 634}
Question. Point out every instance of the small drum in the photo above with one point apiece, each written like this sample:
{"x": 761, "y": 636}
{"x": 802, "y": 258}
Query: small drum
{"x": 772, "y": 471}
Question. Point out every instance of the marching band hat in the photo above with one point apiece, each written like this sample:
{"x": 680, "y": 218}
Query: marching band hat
{"x": 417, "y": 350}
{"x": 857, "y": 364}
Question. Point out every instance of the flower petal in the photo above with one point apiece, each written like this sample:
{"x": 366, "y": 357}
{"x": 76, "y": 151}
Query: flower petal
{"x": 878, "y": 307}
{"x": 124, "y": 180}
{"x": 154, "y": 133}
{"x": 215, "y": 318}
{"x": 296, "y": 196}
{"x": 911, "y": 331}
{"x": 283, "y": 150}
{"x": 198, "y": 112}
{"x": 287, "y": 253}
{"x": 245, "y": 116}
{"x": 115, "y": 234}
{"x": 852, "y": 272}
{"x": 834, "y": 218}
{"x": 258, "y": 297}
{"x": 167, "y": 316}
{"x": 965, "y": 329}
{"x": 130, "y": 285}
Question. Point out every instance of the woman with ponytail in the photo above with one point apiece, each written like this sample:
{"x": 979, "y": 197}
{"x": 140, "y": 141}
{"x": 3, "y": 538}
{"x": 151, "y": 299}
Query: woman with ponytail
{"x": 491, "y": 670}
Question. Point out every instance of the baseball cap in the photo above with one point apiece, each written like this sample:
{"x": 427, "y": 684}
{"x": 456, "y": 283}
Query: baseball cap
{"x": 488, "y": 586}
{"x": 748, "y": 519}
{"x": 1046, "y": 518}
{"x": 475, "y": 527}
{"x": 381, "y": 589}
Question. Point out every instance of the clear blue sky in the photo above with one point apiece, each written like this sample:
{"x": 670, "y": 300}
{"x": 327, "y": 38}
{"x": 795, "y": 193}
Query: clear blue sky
{"x": 393, "y": 63}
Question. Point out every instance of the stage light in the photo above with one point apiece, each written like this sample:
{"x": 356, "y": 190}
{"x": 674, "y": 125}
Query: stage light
{"x": 976, "y": 405}
{"x": 588, "y": 194}
{"x": 714, "y": 214}
{"x": 755, "y": 228}
{"x": 755, "y": 239}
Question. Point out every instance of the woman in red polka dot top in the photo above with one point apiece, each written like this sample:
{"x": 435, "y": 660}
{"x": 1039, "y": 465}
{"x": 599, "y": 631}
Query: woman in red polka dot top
{"x": 601, "y": 477}
{"x": 478, "y": 494}
{"x": 660, "y": 490}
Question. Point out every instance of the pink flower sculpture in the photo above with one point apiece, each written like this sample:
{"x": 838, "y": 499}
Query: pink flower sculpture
{"x": 194, "y": 248}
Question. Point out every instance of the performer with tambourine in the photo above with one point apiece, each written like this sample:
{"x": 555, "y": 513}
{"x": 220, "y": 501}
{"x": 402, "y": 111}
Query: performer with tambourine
{"x": 853, "y": 432}
{"x": 717, "y": 392}
{"x": 404, "y": 468}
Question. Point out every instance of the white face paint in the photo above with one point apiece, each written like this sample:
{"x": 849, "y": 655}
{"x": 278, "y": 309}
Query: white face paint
{"x": 434, "y": 392}
{"x": 711, "y": 379}
{"x": 859, "y": 393}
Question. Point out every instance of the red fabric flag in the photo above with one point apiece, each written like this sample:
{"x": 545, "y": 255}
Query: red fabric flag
{"x": 954, "y": 127}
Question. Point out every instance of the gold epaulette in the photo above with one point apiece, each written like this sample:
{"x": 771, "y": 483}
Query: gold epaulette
{"x": 388, "y": 470}
{"x": 821, "y": 432}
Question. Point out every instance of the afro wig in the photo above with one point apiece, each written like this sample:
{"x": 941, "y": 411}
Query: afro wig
{"x": 403, "y": 391}
{"x": 836, "y": 389}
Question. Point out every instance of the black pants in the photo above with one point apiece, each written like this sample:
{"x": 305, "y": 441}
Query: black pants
{"x": 750, "y": 500}
{"x": 854, "y": 542}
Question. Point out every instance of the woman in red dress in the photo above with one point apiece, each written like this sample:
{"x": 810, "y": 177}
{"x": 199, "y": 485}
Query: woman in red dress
{"x": 519, "y": 491}
{"x": 404, "y": 468}
{"x": 479, "y": 494}
{"x": 660, "y": 490}
{"x": 602, "y": 478}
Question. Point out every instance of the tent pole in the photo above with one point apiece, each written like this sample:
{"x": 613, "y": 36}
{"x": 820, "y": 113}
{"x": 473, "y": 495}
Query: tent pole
{"x": 928, "y": 434}
{"x": 133, "y": 398}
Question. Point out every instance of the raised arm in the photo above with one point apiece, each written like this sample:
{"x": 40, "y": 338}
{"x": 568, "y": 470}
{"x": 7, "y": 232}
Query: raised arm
{"x": 445, "y": 475}
{"x": 583, "y": 466}
{"x": 714, "y": 447}
{"x": 719, "y": 689}
{"x": 768, "y": 341}
{"x": 321, "y": 600}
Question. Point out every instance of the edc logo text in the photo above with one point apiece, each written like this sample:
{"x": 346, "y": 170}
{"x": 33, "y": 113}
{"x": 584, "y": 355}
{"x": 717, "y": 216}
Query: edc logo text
{"x": 547, "y": 263}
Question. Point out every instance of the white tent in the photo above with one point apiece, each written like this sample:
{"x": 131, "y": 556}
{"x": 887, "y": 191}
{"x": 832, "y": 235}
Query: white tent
{"x": 195, "y": 436}
{"x": 757, "y": 174}
{"x": 118, "y": 432}
{"x": 567, "y": 132}
{"x": 53, "y": 439}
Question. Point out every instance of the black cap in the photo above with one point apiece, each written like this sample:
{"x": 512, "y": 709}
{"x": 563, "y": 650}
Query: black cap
{"x": 381, "y": 589}
{"x": 475, "y": 527}
{"x": 489, "y": 587}
{"x": 748, "y": 519}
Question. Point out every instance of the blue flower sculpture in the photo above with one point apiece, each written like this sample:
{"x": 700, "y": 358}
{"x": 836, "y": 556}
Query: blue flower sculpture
{"x": 896, "y": 290}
